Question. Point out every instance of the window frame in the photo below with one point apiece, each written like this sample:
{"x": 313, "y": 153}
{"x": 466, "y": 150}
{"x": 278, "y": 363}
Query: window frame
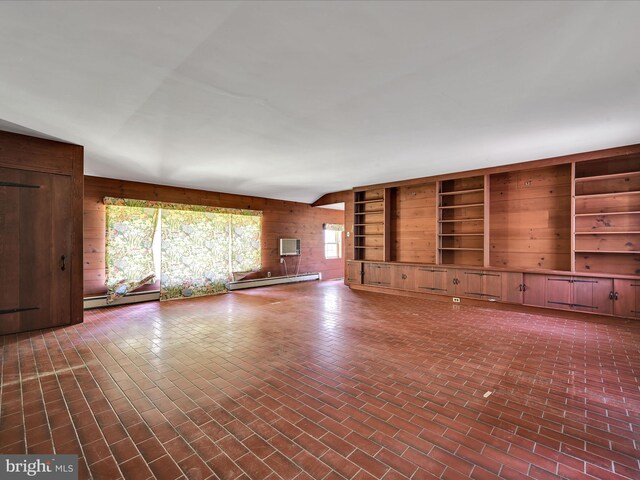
{"x": 337, "y": 237}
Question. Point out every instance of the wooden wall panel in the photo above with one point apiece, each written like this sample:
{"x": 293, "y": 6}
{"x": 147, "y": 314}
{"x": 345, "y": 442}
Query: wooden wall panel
{"x": 413, "y": 223}
{"x": 530, "y": 224}
{"x": 281, "y": 219}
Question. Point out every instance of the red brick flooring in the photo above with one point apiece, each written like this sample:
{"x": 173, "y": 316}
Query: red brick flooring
{"x": 317, "y": 381}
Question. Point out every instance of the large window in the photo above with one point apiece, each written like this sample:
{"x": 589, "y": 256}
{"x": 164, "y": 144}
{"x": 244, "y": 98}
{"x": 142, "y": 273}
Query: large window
{"x": 332, "y": 241}
{"x": 192, "y": 249}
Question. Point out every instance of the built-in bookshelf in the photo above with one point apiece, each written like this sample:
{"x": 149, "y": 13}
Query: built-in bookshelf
{"x": 370, "y": 223}
{"x": 607, "y": 216}
{"x": 461, "y": 219}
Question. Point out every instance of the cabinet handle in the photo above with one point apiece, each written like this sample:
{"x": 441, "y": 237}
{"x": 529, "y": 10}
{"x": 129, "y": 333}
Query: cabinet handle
{"x": 610, "y": 295}
{"x": 63, "y": 263}
{"x": 404, "y": 276}
{"x": 615, "y": 296}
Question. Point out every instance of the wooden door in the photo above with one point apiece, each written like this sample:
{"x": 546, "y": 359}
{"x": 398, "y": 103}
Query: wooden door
{"x": 559, "y": 291}
{"x": 626, "y": 298}
{"x": 535, "y": 290}
{"x": 512, "y": 287}
{"x": 403, "y": 277}
{"x": 35, "y": 248}
{"x": 470, "y": 283}
{"x": 492, "y": 286}
{"x": 593, "y": 295}
{"x": 354, "y": 273}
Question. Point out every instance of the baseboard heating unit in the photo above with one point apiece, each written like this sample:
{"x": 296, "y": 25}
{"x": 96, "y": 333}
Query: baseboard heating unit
{"x": 135, "y": 297}
{"x": 263, "y": 282}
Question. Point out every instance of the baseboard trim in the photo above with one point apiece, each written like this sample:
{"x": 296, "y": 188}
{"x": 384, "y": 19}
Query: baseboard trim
{"x": 514, "y": 307}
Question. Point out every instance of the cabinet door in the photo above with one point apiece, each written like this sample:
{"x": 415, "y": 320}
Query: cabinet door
{"x": 603, "y": 295}
{"x": 354, "y": 273}
{"x": 470, "y": 284}
{"x": 424, "y": 279}
{"x": 559, "y": 292}
{"x": 535, "y": 290}
{"x": 35, "y": 248}
{"x": 403, "y": 277}
{"x": 431, "y": 280}
{"x": 512, "y": 287}
{"x": 453, "y": 282}
{"x": 441, "y": 284}
{"x": 492, "y": 286}
{"x": 626, "y": 298}
{"x": 377, "y": 274}
{"x": 369, "y": 274}
{"x": 593, "y": 295}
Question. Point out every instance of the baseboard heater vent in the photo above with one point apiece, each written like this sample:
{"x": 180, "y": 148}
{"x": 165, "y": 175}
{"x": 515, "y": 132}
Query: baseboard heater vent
{"x": 135, "y": 297}
{"x": 263, "y": 282}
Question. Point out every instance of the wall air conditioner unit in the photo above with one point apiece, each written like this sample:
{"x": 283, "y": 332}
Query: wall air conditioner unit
{"x": 289, "y": 246}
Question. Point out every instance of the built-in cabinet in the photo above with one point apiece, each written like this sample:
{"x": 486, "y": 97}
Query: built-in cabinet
{"x": 562, "y": 233}
{"x": 378, "y": 274}
{"x": 433, "y": 280}
{"x": 626, "y": 298}
{"x": 463, "y": 282}
{"x": 40, "y": 233}
{"x": 353, "y": 272}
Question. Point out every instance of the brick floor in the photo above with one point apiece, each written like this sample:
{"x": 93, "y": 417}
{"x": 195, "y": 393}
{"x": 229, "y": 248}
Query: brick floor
{"x": 316, "y": 381}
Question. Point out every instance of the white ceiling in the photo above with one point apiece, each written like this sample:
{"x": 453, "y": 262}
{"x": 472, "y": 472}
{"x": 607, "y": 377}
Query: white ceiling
{"x": 295, "y": 99}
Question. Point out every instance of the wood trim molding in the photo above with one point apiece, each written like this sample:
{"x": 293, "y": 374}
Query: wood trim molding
{"x": 334, "y": 197}
{"x": 546, "y": 162}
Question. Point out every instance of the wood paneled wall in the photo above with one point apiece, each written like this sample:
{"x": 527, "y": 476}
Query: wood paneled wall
{"x": 281, "y": 219}
{"x": 531, "y": 218}
{"x": 414, "y": 223}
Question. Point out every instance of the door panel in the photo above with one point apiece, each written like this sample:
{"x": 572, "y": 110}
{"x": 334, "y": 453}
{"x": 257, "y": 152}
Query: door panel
{"x": 377, "y": 274}
{"x": 582, "y": 299}
{"x": 35, "y": 232}
{"x": 403, "y": 277}
{"x": 440, "y": 281}
{"x": 9, "y": 251}
{"x": 535, "y": 290}
{"x": 592, "y": 295}
{"x": 627, "y": 298}
{"x": 353, "y": 273}
{"x": 453, "y": 281}
{"x": 558, "y": 292}
{"x": 470, "y": 284}
{"x": 60, "y": 262}
{"x": 492, "y": 286}
{"x": 431, "y": 280}
{"x": 512, "y": 287}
